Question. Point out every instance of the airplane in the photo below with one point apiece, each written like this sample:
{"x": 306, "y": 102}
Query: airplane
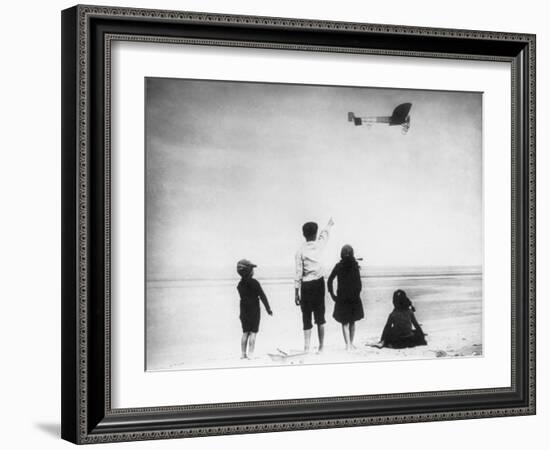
{"x": 400, "y": 116}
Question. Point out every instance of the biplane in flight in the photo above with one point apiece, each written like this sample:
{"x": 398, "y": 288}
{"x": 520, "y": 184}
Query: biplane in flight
{"x": 400, "y": 116}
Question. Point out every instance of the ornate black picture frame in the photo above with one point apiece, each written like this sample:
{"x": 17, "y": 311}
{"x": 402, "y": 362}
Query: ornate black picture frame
{"x": 87, "y": 34}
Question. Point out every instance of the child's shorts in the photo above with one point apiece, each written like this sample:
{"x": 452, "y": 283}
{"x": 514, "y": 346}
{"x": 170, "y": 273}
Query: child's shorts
{"x": 250, "y": 317}
{"x": 312, "y": 301}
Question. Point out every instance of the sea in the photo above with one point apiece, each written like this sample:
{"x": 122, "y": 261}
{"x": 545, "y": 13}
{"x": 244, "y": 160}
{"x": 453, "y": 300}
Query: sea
{"x": 193, "y": 323}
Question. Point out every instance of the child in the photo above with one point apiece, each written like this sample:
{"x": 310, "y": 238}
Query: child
{"x": 348, "y": 307}
{"x": 399, "y": 332}
{"x": 399, "y": 297}
{"x": 251, "y": 293}
{"x": 309, "y": 282}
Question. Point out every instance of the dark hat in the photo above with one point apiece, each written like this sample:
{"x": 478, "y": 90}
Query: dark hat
{"x": 244, "y": 266}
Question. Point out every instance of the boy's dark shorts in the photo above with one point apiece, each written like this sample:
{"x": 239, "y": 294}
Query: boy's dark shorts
{"x": 312, "y": 300}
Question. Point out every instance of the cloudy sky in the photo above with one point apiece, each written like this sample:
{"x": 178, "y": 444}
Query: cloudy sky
{"x": 234, "y": 169}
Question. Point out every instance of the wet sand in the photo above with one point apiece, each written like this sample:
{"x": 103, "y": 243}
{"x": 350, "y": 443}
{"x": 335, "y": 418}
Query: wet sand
{"x": 195, "y": 324}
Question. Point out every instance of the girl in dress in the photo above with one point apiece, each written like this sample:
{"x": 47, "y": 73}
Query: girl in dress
{"x": 348, "y": 307}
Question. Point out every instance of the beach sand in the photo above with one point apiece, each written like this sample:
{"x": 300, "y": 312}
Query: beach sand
{"x": 195, "y": 324}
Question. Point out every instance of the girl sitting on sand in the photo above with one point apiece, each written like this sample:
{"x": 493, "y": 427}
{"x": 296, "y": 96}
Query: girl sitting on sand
{"x": 348, "y": 307}
{"x": 399, "y": 332}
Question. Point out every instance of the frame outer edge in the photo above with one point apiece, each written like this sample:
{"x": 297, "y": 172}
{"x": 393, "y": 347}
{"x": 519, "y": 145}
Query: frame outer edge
{"x": 82, "y": 151}
{"x": 69, "y": 230}
{"x": 75, "y": 209}
{"x": 297, "y": 23}
{"x": 532, "y": 143}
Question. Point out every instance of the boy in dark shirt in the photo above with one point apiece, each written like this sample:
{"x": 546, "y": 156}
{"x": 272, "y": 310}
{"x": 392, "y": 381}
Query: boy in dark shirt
{"x": 251, "y": 293}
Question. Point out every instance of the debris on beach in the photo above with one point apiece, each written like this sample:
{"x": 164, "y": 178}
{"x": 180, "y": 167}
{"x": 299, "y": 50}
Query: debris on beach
{"x": 287, "y": 357}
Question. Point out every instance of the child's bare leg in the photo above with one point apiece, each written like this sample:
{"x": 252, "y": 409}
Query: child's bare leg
{"x": 251, "y": 344}
{"x": 351, "y": 334}
{"x": 244, "y": 344}
{"x": 345, "y": 332}
{"x": 307, "y": 339}
{"x": 321, "y": 334}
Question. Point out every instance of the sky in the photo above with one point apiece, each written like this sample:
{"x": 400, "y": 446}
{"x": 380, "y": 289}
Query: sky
{"x": 233, "y": 170}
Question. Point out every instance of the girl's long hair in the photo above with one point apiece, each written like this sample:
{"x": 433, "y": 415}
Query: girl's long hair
{"x": 400, "y": 300}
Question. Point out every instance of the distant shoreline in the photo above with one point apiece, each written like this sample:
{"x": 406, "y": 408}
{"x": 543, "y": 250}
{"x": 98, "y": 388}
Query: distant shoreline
{"x": 289, "y": 278}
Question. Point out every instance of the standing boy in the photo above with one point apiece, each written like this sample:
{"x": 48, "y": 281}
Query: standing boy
{"x": 250, "y": 292}
{"x": 309, "y": 281}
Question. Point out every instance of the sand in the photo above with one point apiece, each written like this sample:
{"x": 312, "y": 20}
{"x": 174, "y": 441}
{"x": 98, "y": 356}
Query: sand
{"x": 195, "y": 325}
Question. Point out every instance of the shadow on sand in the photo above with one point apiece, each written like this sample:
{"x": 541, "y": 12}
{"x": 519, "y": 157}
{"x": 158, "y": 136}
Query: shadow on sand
{"x": 52, "y": 429}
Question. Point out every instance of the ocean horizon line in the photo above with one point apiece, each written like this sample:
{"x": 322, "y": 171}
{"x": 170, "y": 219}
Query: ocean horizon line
{"x": 372, "y": 272}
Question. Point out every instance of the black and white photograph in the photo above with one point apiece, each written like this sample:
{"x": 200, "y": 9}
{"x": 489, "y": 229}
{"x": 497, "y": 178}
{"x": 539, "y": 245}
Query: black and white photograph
{"x": 291, "y": 224}
{"x": 275, "y": 225}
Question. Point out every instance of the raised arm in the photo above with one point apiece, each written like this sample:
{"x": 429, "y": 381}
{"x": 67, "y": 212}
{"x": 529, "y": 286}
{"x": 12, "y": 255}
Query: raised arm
{"x": 325, "y": 232}
{"x": 330, "y": 282}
